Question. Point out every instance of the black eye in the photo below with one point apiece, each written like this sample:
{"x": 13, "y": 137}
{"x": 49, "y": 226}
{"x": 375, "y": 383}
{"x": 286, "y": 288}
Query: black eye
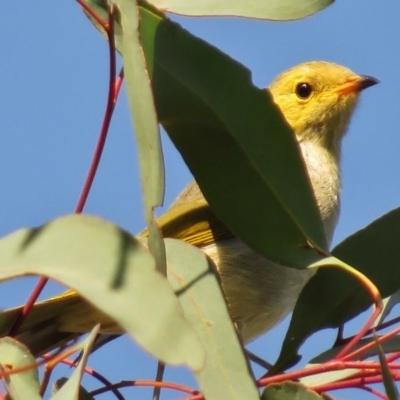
{"x": 303, "y": 90}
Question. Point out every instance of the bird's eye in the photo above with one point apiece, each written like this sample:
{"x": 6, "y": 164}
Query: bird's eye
{"x": 303, "y": 90}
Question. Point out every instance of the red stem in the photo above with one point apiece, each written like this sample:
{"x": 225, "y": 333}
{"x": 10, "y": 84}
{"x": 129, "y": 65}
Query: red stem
{"x": 91, "y": 372}
{"x": 355, "y": 383}
{"x": 98, "y": 19}
{"x": 106, "y": 120}
{"x": 368, "y": 368}
{"x": 371, "y": 345}
{"x": 343, "y": 354}
{"x": 147, "y": 383}
{"x": 374, "y": 392}
{"x": 28, "y": 305}
{"x": 113, "y": 91}
{"x": 393, "y": 357}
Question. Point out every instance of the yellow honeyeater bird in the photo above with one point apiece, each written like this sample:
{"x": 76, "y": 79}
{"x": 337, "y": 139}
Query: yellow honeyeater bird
{"x": 317, "y": 99}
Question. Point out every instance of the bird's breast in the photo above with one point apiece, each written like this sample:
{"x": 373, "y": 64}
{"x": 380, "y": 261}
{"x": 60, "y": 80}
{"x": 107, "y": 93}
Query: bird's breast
{"x": 324, "y": 173}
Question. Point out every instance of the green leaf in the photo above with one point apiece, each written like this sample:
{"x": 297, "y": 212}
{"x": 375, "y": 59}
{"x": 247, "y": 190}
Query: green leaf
{"x": 333, "y": 297}
{"x": 111, "y": 270}
{"x": 82, "y": 395}
{"x": 144, "y": 120}
{"x": 389, "y": 304}
{"x": 387, "y": 378}
{"x": 234, "y": 139}
{"x": 23, "y": 385}
{"x": 389, "y": 346}
{"x": 375, "y": 252}
{"x": 292, "y": 391}
{"x": 71, "y": 389}
{"x": 193, "y": 277}
{"x": 327, "y": 377}
{"x": 260, "y": 9}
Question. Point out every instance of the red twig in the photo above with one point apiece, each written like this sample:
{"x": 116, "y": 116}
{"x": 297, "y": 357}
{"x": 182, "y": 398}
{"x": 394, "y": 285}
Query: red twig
{"x": 343, "y": 354}
{"x": 113, "y": 91}
{"x": 196, "y": 397}
{"x": 371, "y": 345}
{"x": 92, "y": 373}
{"x": 147, "y": 383}
{"x": 374, "y": 392}
{"x": 393, "y": 357}
{"x": 17, "y": 370}
{"x": 355, "y": 383}
{"x": 28, "y": 305}
{"x": 111, "y": 100}
{"x": 385, "y": 325}
{"x": 341, "y": 340}
{"x": 98, "y": 19}
{"x": 369, "y": 369}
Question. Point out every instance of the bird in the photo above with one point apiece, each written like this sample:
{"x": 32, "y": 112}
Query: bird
{"x": 317, "y": 99}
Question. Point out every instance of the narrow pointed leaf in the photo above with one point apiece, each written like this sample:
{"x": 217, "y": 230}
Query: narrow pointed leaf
{"x": 260, "y": 9}
{"x": 389, "y": 303}
{"x": 71, "y": 388}
{"x": 144, "y": 117}
{"x": 388, "y": 381}
{"x": 389, "y": 346}
{"x": 225, "y": 373}
{"x": 333, "y": 297}
{"x": 233, "y": 138}
{"x": 327, "y": 377}
{"x": 83, "y": 393}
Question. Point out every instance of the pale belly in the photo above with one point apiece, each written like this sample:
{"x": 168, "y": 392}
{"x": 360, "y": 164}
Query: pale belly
{"x": 259, "y": 293}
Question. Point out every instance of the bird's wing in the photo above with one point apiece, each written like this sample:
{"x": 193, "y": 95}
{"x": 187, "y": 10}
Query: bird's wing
{"x": 191, "y": 220}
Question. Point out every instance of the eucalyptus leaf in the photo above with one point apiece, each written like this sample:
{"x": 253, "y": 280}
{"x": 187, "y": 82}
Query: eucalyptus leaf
{"x": 117, "y": 279}
{"x": 71, "y": 389}
{"x": 327, "y": 377}
{"x": 332, "y": 297}
{"x": 195, "y": 281}
{"x": 389, "y": 346}
{"x": 292, "y": 391}
{"x": 22, "y": 385}
{"x": 389, "y": 304}
{"x": 260, "y": 9}
{"x": 144, "y": 117}
{"x": 387, "y": 378}
{"x": 83, "y": 393}
{"x": 234, "y": 139}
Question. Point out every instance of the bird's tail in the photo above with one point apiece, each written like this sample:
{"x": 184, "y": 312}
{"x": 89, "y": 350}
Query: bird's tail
{"x": 55, "y": 321}
{"x": 43, "y": 330}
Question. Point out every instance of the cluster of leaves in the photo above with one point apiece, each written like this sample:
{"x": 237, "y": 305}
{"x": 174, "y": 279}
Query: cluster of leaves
{"x": 206, "y": 102}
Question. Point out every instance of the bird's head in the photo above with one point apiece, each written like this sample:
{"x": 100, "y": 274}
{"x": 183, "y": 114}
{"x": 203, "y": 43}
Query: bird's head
{"x": 318, "y": 99}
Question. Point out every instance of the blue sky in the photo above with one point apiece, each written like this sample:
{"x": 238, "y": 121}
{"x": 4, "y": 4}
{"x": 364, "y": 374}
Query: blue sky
{"x": 53, "y": 79}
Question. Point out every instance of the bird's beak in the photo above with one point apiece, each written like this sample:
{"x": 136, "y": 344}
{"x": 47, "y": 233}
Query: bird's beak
{"x": 356, "y": 83}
